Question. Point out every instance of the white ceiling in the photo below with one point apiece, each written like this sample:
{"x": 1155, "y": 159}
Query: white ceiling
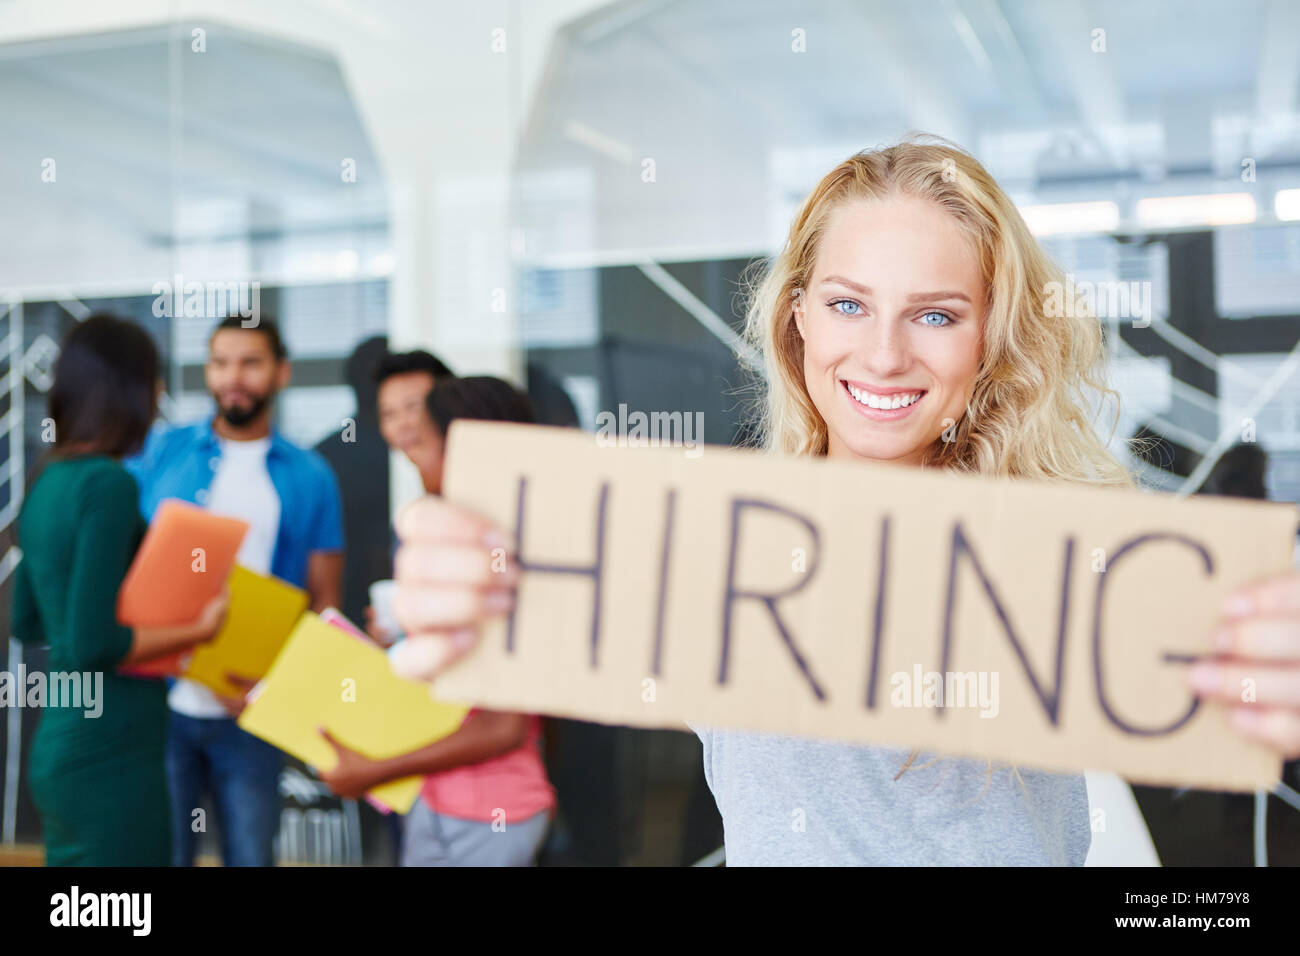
{"x": 740, "y": 126}
{"x": 156, "y": 146}
{"x": 160, "y": 150}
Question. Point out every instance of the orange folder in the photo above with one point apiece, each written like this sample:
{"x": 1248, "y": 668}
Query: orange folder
{"x": 183, "y": 562}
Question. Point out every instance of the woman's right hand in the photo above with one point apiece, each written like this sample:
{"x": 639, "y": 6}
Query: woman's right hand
{"x": 211, "y": 617}
{"x": 453, "y": 571}
{"x": 148, "y": 643}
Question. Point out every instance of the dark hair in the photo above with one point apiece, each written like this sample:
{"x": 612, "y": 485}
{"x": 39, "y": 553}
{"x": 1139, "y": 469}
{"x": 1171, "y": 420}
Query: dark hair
{"x": 264, "y": 324}
{"x": 361, "y": 363}
{"x": 1240, "y": 473}
{"x": 479, "y": 396}
{"x": 400, "y": 363}
{"x": 104, "y": 397}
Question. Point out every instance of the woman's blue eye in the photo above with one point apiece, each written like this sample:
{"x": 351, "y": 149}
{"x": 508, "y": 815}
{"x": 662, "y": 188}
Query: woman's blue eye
{"x": 944, "y": 319}
{"x": 853, "y": 306}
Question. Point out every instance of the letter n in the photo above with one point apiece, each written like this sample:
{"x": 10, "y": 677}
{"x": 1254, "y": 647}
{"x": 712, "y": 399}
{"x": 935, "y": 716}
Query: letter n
{"x": 1049, "y": 697}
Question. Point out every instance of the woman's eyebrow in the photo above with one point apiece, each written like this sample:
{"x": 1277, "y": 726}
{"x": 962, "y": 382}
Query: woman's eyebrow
{"x": 938, "y": 296}
{"x": 840, "y": 280}
{"x": 915, "y": 297}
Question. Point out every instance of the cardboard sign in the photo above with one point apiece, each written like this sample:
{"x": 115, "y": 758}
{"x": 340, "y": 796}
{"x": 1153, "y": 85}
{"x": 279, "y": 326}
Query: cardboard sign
{"x": 1033, "y": 623}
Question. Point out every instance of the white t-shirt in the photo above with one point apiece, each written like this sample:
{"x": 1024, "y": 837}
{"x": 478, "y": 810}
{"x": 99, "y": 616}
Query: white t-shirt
{"x": 241, "y": 488}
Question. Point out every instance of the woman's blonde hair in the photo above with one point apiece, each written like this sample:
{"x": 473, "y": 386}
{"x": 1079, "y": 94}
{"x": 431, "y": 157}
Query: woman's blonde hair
{"x": 1030, "y": 413}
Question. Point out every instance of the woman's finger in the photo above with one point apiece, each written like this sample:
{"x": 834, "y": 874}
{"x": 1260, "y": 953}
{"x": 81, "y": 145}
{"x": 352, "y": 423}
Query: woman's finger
{"x": 433, "y": 519}
{"x": 436, "y": 608}
{"x": 449, "y": 564}
{"x": 1277, "y": 727}
{"x": 1275, "y": 638}
{"x": 422, "y": 657}
{"x": 1275, "y": 595}
{"x": 1236, "y": 682}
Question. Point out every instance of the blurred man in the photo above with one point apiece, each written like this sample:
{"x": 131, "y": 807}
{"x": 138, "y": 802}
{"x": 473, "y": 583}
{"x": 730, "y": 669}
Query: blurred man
{"x": 237, "y": 464}
{"x": 405, "y": 380}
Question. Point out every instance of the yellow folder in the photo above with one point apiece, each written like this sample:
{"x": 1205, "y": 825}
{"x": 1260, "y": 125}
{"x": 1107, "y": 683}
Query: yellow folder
{"x": 327, "y": 678}
{"x": 263, "y": 612}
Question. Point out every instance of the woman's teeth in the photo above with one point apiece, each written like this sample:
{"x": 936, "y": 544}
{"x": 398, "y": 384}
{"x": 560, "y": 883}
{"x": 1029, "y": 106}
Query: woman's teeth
{"x": 872, "y": 400}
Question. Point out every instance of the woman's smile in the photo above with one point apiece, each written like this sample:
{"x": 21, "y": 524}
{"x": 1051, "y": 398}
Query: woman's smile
{"x": 883, "y": 404}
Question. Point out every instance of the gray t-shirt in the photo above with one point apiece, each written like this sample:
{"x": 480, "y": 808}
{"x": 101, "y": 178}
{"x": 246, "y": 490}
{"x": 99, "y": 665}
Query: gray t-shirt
{"x": 793, "y": 801}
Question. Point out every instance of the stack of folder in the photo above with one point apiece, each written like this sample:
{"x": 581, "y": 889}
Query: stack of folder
{"x": 314, "y": 672}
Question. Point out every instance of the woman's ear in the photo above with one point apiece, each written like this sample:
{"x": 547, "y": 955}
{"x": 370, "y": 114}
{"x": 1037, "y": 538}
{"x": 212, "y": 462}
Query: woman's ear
{"x": 797, "y": 306}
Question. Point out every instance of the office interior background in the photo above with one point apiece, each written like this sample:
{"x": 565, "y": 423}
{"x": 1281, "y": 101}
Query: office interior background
{"x": 568, "y": 193}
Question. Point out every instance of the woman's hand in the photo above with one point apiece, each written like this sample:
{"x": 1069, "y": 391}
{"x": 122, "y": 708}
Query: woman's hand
{"x": 1257, "y": 671}
{"x": 208, "y": 623}
{"x": 354, "y": 773}
{"x": 149, "y": 643}
{"x": 453, "y": 571}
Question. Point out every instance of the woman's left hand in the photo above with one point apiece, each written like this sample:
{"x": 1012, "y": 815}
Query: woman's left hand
{"x": 1256, "y": 672}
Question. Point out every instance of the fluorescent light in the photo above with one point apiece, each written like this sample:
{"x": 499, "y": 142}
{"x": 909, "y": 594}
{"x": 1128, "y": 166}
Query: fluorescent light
{"x": 381, "y": 264}
{"x": 1063, "y": 217}
{"x": 599, "y": 142}
{"x": 1286, "y": 204}
{"x": 1215, "y": 209}
{"x": 343, "y": 263}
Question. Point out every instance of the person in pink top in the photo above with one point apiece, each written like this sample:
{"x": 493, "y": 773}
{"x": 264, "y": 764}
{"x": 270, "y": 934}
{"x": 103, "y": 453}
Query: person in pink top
{"x": 486, "y": 799}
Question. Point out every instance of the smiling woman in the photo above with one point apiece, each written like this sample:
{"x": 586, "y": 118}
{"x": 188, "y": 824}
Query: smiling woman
{"x": 904, "y": 321}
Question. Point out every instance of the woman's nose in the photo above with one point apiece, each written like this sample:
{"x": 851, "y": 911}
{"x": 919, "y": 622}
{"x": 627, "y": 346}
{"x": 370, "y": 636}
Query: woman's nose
{"x": 884, "y": 350}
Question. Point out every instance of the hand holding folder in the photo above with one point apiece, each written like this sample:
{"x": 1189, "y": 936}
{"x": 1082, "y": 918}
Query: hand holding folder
{"x": 326, "y": 678}
{"x": 263, "y": 613}
{"x": 183, "y": 563}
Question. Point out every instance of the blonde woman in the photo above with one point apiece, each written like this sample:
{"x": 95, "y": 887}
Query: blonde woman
{"x": 903, "y": 322}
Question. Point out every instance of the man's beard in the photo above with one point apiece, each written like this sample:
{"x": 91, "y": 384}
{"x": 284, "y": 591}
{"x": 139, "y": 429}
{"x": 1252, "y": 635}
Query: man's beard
{"x": 238, "y": 417}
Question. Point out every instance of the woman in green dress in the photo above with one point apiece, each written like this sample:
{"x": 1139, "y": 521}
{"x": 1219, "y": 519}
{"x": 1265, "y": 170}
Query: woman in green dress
{"x": 96, "y": 773}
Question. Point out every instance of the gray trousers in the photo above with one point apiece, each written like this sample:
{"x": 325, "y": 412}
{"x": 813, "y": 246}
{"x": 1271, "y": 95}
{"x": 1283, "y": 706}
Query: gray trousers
{"x": 433, "y": 839}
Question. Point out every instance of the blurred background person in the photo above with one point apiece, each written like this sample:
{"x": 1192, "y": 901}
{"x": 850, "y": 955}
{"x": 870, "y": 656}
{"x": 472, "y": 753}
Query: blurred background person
{"x": 404, "y": 381}
{"x": 99, "y": 783}
{"x": 1239, "y": 473}
{"x": 237, "y": 464}
{"x": 486, "y": 799}
{"x": 359, "y": 458}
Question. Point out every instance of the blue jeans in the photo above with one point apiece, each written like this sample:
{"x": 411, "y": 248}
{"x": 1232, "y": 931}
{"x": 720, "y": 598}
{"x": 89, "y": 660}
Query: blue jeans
{"x": 243, "y": 775}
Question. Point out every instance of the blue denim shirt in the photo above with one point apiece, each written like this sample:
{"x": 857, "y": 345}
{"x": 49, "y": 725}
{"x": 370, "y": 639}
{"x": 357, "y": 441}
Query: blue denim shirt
{"x": 181, "y": 461}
